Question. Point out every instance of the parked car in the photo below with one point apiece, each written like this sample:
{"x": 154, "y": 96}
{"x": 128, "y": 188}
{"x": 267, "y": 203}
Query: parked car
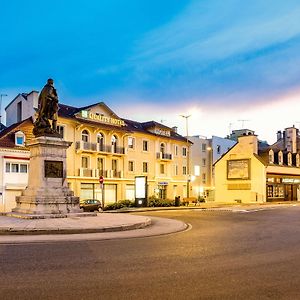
{"x": 90, "y": 205}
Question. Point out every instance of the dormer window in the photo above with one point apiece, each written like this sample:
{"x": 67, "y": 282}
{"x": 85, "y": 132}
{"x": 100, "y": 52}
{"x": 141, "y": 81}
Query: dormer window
{"x": 271, "y": 156}
{"x": 20, "y": 139}
{"x": 280, "y": 158}
{"x": 289, "y": 159}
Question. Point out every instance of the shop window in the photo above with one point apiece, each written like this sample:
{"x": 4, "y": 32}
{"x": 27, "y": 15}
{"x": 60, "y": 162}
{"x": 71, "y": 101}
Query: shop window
{"x": 85, "y": 136}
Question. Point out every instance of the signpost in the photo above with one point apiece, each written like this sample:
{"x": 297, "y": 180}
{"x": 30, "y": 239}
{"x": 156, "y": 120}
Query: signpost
{"x": 101, "y": 181}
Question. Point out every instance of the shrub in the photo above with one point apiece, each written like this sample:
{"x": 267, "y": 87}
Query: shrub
{"x": 156, "y": 202}
{"x": 119, "y": 205}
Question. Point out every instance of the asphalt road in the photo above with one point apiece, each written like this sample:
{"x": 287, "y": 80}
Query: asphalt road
{"x": 226, "y": 255}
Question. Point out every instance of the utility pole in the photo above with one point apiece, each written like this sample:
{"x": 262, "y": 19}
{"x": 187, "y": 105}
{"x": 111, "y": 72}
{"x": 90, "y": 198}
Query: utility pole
{"x": 1, "y": 96}
{"x": 187, "y": 156}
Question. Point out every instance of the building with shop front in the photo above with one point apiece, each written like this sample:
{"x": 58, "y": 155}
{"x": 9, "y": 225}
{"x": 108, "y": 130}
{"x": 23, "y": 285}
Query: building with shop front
{"x": 103, "y": 144}
{"x": 254, "y": 171}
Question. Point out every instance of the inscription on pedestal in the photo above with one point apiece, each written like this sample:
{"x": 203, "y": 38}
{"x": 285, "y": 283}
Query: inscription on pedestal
{"x": 53, "y": 169}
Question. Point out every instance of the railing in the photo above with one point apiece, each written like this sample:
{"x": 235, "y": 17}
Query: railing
{"x": 84, "y": 172}
{"x": 99, "y": 173}
{"x": 96, "y": 147}
{"x": 118, "y": 150}
{"x": 116, "y": 174}
{"x": 86, "y": 146}
{"x": 103, "y": 148}
{"x": 165, "y": 156}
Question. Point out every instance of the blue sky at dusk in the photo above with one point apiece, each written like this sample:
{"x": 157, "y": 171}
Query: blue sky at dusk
{"x": 220, "y": 61}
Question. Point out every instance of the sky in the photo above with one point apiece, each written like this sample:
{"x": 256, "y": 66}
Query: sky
{"x": 230, "y": 64}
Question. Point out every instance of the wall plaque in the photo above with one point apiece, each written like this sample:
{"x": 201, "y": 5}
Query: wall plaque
{"x": 53, "y": 169}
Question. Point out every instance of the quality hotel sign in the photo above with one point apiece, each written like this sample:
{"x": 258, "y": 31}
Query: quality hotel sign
{"x": 101, "y": 118}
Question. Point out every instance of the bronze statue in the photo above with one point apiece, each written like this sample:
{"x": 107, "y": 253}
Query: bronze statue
{"x": 47, "y": 110}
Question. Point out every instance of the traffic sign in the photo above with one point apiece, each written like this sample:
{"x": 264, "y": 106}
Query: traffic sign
{"x": 101, "y": 179}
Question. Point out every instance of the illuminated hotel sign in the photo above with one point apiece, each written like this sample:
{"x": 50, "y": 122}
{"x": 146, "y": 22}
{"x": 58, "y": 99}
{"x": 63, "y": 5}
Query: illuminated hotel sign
{"x": 101, "y": 118}
{"x": 160, "y": 131}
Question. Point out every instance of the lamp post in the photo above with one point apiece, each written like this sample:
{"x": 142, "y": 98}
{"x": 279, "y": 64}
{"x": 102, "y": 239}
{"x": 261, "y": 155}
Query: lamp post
{"x": 211, "y": 158}
{"x": 187, "y": 156}
{"x": 1, "y": 96}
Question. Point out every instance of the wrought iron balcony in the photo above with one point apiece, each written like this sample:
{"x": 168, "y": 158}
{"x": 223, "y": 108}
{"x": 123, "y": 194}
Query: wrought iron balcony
{"x": 164, "y": 156}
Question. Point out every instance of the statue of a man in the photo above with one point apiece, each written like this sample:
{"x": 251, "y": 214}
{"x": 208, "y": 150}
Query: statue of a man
{"x": 47, "y": 110}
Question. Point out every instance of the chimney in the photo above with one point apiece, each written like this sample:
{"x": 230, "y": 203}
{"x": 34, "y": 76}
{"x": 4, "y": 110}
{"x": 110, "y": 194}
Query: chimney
{"x": 279, "y": 135}
{"x": 175, "y": 128}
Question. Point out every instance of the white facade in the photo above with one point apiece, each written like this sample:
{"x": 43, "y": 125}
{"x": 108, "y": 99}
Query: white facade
{"x": 14, "y": 166}
{"x": 204, "y": 153}
{"x": 21, "y": 107}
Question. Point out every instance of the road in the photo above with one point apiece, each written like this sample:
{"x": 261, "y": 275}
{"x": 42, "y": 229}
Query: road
{"x": 226, "y": 255}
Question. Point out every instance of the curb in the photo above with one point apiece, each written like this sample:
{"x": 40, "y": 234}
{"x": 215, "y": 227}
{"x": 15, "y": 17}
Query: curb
{"x": 42, "y": 231}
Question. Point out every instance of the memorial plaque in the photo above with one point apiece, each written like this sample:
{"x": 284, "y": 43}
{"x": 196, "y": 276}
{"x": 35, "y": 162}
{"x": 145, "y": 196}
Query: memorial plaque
{"x": 53, "y": 169}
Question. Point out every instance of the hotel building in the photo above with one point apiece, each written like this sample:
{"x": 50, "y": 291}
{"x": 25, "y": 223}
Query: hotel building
{"x": 103, "y": 144}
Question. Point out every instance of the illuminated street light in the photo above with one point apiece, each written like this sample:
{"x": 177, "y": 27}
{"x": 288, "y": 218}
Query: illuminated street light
{"x": 187, "y": 156}
{"x": 1, "y": 96}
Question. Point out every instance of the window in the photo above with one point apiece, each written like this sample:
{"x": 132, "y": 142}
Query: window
{"x": 23, "y": 168}
{"x": 162, "y": 148}
{"x": 114, "y": 165}
{"x": 145, "y": 167}
{"x": 100, "y": 141}
{"x": 197, "y": 170}
{"x": 114, "y": 143}
{"x": 176, "y": 170}
{"x": 176, "y": 150}
{"x": 84, "y": 162}
{"x": 271, "y": 157}
{"x": 162, "y": 169}
{"x": 60, "y": 130}
{"x": 218, "y": 149}
{"x": 203, "y": 147}
{"x": 100, "y": 164}
{"x": 131, "y": 142}
{"x": 184, "y": 151}
{"x": 297, "y": 160}
{"x": 130, "y": 166}
{"x": 16, "y": 168}
{"x": 203, "y": 178}
{"x": 19, "y": 111}
{"x": 184, "y": 170}
{"x": 289, "y": 156}
{"x": 203, "y": 162}
{"x": 280, "y": 158}
{"x": 85, "y": 136}
{"x": 145, "y": 146}
{"x": 19, "y": 138}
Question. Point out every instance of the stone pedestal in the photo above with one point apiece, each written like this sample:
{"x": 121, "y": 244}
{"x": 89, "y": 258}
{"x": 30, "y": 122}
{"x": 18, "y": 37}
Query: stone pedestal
{"x": 47, "y": 193}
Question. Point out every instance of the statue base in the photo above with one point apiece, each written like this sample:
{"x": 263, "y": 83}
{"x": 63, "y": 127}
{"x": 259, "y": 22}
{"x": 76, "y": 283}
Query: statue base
{"x": 47, "y": 193}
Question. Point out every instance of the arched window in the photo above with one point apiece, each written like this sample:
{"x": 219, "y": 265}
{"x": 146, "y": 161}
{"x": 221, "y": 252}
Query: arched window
{"x": 100, "y": 141}
{"x": 114, "y": 144}
{"x": 85, "y": 136}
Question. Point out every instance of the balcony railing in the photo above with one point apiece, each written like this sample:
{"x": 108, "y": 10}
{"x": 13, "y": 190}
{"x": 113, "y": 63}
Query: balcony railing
{"x": 99, "y": 173}
{"x": 164, "y": 156}
{"x": 96, "y": 147}
{"x": 84, "y": 172}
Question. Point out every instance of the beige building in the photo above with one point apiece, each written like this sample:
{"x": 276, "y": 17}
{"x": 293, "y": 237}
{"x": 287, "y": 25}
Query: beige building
{"x": 103, "y": 144}
{"x": 253, "y": 171}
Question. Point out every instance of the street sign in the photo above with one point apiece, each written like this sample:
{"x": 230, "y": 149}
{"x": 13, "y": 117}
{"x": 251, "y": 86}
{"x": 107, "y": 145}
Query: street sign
{"x": 101, "y": 179}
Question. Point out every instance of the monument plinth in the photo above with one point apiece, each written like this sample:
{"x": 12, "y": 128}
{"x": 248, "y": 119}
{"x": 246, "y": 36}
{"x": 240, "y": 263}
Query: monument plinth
{"x": 47, "y": 193}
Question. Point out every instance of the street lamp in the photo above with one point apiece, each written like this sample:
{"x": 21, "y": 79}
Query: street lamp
{"x": 187, "y": 156}
{"x": 1, "y": 96}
